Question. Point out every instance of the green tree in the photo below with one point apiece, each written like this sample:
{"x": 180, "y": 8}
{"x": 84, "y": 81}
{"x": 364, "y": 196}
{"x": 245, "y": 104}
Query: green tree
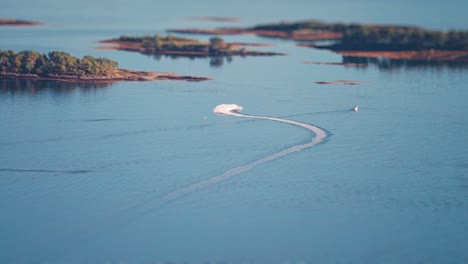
{"x": 216, "y": 43}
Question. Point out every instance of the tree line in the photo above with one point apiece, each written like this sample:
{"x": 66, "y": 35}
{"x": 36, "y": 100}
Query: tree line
{"x": 55, "y": 62}
{"x": 403, "y": 38}
{"x": 380, "y": 37}
{"x": 157, "y": 43}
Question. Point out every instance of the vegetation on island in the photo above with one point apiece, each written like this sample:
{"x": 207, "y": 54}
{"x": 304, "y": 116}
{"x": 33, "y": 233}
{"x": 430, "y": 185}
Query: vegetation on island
{"x": 380, "y": 37}
{"x": 58, "y": 65}
{"x": 394, "y": 38}
{"x": 158, "y": 43}
{"x": 362, "y": 37}
{"x": 180, "y": 46}
{"x": 53, "y": 63}
{"x": 356, "y": 36}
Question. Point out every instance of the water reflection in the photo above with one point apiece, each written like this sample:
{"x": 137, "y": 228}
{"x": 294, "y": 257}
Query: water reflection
{"x": 34, "y": 87}
{"x": 393, "y": 64}
{"x": 215, "y": 60}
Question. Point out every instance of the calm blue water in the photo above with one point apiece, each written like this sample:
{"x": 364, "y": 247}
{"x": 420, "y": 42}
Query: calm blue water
{"x": 82, "y": 167}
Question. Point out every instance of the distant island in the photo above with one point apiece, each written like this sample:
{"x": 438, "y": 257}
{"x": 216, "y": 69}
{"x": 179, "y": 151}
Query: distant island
{"x": 179, "y": 46}
{"x": 216, "y": 19}
{"x": 16, "y": 22}
{"x": 362, "y": 40}
{"x": 344, "y": 82}
{"x": 61, "y": 66}
{"x": 346, "y": 64}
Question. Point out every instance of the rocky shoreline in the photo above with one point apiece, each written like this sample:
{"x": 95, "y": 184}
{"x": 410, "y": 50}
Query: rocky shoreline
{"x": 16, "y": 22}
{"x": 117, "y": 76}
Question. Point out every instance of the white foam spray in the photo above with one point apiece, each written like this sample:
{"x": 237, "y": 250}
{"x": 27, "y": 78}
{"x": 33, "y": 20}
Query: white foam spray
{"x": 132, "y": 213}
{"x": 233, "y": 110}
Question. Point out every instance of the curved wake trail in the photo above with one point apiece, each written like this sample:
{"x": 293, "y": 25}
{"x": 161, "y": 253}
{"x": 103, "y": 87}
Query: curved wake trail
{"x": 132, "y": 213}
{"x": 233, "y": 110}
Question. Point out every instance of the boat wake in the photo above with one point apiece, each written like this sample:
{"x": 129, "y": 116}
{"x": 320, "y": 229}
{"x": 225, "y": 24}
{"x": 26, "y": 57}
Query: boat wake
{"x": 233, "y": 110}
{"x": 134, "y": 212}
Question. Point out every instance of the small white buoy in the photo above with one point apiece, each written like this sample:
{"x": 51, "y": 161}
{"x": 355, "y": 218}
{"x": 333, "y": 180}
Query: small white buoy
{"x": 356, "y": 108}
{"x": 206, "y": 118}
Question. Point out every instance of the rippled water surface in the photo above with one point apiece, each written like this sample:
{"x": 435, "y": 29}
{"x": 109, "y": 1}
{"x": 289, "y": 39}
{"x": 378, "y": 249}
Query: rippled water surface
{"x": 83, "y": 167}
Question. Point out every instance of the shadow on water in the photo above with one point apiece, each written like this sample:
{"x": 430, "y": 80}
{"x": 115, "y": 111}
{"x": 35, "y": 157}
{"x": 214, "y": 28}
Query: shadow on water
{"x": 385, "y": 64}
{"x": 35, "y": 87}
{"x": 215, "y": 61}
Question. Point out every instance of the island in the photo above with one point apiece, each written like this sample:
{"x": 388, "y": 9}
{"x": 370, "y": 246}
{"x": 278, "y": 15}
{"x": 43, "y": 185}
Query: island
{"x": 363, "y": 40}
{"x": 346, "y": 64}
{"x": 345, "y": 82}
{"x": 61, "y": 66}
{"x": 302, "y": 31}
{"x": 17, "y": 22}
{"x": 183, "y": 47}
{"x": 216, "y": 19}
